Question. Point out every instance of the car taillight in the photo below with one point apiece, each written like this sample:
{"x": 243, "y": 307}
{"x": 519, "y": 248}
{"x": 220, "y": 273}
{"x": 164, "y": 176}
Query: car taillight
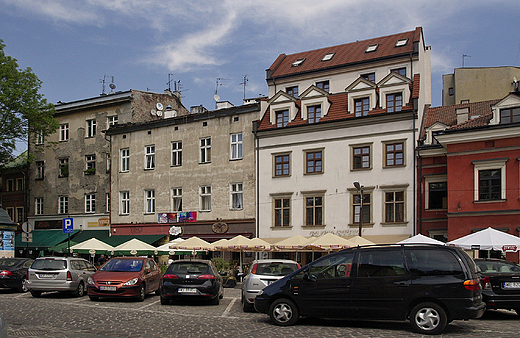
{"x": 298, "y": 265}
{"x": 169, "y": 276}
{"x": 6, "y": 273}
{"x": 206, "y": 277}
{"x": 253, "y": 269}
{"x": 472, "y": 284}
{"x": 486, "y": 283}
{"x": 69, "y": 276}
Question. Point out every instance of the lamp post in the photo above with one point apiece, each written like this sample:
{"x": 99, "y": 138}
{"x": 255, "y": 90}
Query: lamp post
{"x": 360, "y": 188}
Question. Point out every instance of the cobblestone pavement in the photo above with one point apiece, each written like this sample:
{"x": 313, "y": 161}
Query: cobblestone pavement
{"x": 59, "y": 315}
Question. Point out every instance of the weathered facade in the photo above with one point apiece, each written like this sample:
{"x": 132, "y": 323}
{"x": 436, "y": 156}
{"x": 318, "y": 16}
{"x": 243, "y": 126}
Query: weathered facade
{"x": 13, "y": 193}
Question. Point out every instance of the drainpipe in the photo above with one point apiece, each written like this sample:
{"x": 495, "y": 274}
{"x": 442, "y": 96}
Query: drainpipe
{"x": 415, "y": 108}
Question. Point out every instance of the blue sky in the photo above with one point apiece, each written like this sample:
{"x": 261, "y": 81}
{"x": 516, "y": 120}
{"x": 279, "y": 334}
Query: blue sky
{"x": 72, "y": 44}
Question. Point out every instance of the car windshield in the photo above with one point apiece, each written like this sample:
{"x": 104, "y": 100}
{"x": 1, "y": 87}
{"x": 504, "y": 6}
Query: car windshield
{"x": 8, "y": 262}
{"x": 49, "y": 264}
{"x": 123, "y": 265}
{"x": 189, "y": 268}
{"x": 276, "y": 268}
{"x": 497, "y": 267}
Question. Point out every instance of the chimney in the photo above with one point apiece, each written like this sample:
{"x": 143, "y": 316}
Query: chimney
{"x": 462, "y": 115}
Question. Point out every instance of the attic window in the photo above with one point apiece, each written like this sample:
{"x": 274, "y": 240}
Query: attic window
{"x": 372, "y": 48}
{"x": 298, "y": 62}
{"x": 401, "y": 42}
{"x": 328, "y": 57}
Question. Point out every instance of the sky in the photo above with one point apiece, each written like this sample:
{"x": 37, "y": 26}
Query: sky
{"x": 72, "y": 45}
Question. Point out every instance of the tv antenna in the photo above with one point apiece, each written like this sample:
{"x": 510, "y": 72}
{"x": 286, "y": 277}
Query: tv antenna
{"x": 104, "y": 81}
{"x": 464, "y": 56}
{"x": 244, "y": 83}
{"x": 216, "y": 96}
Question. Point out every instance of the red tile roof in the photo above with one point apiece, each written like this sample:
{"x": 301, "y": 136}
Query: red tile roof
{"x": 350, "y": 53}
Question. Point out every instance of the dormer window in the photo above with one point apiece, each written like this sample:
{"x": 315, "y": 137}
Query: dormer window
{"x": 298, "y": 62}
{"x": 369, "y": 77}
{"x": 362, "y": 106}
{"x": 328, "y": 57}
{"x": 325, "y": 85}
{"x": 401, "y": 42}
{"x": 372, "y": 48}
{"x": 400, "y": 71}
{"x": 511, "y": 115}
{"x": 293, "y": 91}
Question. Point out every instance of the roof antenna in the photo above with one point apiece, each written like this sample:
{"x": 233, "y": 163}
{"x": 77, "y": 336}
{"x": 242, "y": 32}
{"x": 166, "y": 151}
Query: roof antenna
{"x": 244, "y": 83}
{"x": 464, "y": 56}
{"x": 104, "y": 80}
{"x": 216, "y": 96}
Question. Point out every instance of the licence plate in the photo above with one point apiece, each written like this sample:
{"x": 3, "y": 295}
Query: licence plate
{"x": 187, "y": 290}
{"x": 511, "y": 285}
{"x": 107, "y": 288}
{"x": 46, "y": 275}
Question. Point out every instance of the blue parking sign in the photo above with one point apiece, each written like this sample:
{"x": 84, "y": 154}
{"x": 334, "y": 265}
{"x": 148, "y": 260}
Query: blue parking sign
{"x": 68, "y": 228}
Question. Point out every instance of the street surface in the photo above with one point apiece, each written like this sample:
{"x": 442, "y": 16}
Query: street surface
{"x": 60, "y": 315}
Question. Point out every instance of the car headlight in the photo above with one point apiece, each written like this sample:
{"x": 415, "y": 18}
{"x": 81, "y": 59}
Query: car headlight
{"x": 132, "y": 281}
{"x": 90, "y": 281}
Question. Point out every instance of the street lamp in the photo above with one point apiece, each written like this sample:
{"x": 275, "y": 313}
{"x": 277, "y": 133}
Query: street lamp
{"x": 360, "y": 188}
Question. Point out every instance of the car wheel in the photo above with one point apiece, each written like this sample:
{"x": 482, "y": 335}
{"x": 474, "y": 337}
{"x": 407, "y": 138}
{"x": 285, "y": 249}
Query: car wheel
{"x": 283, "y": 312}
{"x": 36, "y": 294}
{"x": 22, "y": 287}
{"x": 93, "y": 298}
{"x": 428, "y": 318}
{"x": 142, "y": 293}
{"x": 165, "y": 301}
{"x": 158, "y": 291}
{"x": 80, "y": 291}
{"x": 246, "y": 307}
{"x": 215, "y": 301}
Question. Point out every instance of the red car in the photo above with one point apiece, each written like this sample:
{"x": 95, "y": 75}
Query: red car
{"x": 125, "y": 277}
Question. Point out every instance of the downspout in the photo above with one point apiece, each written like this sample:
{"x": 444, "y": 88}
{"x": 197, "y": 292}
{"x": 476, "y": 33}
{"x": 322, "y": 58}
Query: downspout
{"x": 415, "y": 108}
{"x": 257, "y": 151}
{"x": 419, "y": 206}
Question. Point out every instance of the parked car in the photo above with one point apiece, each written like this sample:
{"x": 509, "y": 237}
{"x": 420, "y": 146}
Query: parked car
{"x": 191, "y": 279}
{"x": 125, "y": 277}
{"x": 500, "y": 283}
{"x": 64, "y": 274}
{"x": 262, "y": 273}
{"x": 13, "y": 272}
{"x": 430, "y": 285}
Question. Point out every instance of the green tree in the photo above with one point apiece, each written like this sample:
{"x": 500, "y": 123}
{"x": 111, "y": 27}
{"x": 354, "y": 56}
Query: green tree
{"x": 23, "y": 111}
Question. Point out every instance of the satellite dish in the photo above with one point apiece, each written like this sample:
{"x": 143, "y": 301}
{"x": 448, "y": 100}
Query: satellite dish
{"x": 216, "y": 97}
{"x": 153, "y": 112}
{"x": 159, "y": 106}
{"x": 159, "y": 113}
{"x": 112, "y": 86}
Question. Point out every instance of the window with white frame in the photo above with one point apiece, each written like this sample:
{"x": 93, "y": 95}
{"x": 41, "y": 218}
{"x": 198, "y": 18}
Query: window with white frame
{"x": 282, "y": 211}
{"x": 149, "y": 160}
{"x": 39, "y": 138}
{"x": 435, "y": 192}
{"x": 91, "y": 128}
{"x": 237, "y": 196}
{"x": 205, "y": 198}
{"x": 176, "y": 199}
{"x": 149, "y": 201}
{"x": 124, "y": 202}
{"x": 314, "y": 210}
{"x": 112, "y": 120}
{"x": 490, "y": 179}
{"x": 177, "y": 153}
{"x": 38, "y": 205}
{"x": 40, "y": 170}
{"x": 205, "y": 150}
{"x": 90, "y": 161}
{"x": 64, "y": 132}
{"x": 236, "y": 146}
{"x": 107, "y": 202}
{"x": 63, "y": 205}
{"x": 90, "y": 203}
{"x": 125, "y": 159}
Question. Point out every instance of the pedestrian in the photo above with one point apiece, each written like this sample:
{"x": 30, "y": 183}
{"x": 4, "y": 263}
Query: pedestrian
{"x": 101, "y": 260}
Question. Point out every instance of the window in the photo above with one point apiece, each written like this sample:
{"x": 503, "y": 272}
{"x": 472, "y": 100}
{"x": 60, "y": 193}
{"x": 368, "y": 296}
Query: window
{"x": 380, "y": 263}
{"x": 38, "y": 206}
{"x": 40, "y": 170}
{"x": 336, "y": 266}
{"x": 371, "y": 48}
{"x": 437, "y": 195}
{"x": 107, "y": 202}
{"x": 107, "y": 161}
{"x": 176, "y": 199}
{"x": 325, "y": 85}
{"x": 450, "y": 91}
{"x": 64, "y": 167}
{"x": 328, "y": 57}
{"x": 298, "y": 62}
{"x": 314, "y": 114}
{"x": 19, "y": 215}
{"x": 112, "y": 120}
{"x": 64, "y": 132}
{"x": 400, "y": 71}
{"x": 63, "y": 205}
{"x": 10, "y": 213}
{"x": 356, "y": 207}
{"x": 281, "y": 165}
{"x": 425, "y": 262}
{"x": 91, "y": 128}
{"x": 293, "y": 91}
{"x": 394, "y": 206}
{"x": 282, "y": 118}
{"x": 369, "y": 77}
{"x": 19, "y": 184}
{"x": 314, "y": 210}
{"x": 205, "y": 198}
{"x": 313, "y": 162}
{"x": 124, "y": 202}
{"x": 125, "y": 159}
{"x": 177, "y": 153}
{"x": 282, "y": 212}
{"x": 394, "y": 102}
{"x": 237, "y": 196}
{"x": 401, "y": 42}
{"x": 394, "y": 154}
{"x": 362, "y": 106}
{"x": 236, "y": 146}
{"x": 511, "y": 115}
{"x": 9, "y": 185}
{"x": 90, "y": 163}
{"x": 490, "y": 187}
{"x": 205, "y": 150}
{"x": 361, "y": 157}
{"x": 39, "y": 138}
{"x": 149, "y": 157}
{"x": 90, "y": 203}
{"x": 149, "y": 201}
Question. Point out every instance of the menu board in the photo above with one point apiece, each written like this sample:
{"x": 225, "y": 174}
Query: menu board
{"x": 6, "y": 244}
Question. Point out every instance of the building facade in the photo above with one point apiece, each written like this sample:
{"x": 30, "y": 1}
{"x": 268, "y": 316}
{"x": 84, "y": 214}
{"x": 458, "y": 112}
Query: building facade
{"x": 13, "y": 193}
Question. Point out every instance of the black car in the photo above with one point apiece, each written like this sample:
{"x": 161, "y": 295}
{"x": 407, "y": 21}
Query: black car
{"x": 430, "y": 285}
{"x": 500, "y": 283}
{"x": 191, "y": 279}
{"x": 13, "y": 272}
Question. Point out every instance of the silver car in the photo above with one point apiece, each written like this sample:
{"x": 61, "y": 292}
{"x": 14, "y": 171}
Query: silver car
{"x": 262, "y": 273}
{"x": 64, "y": 274}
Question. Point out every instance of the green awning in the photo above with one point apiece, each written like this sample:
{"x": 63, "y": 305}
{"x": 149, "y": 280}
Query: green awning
{"x": 115, "y": 240}
{"x": 62, "y": 247}
{"x": 42, "y": 239}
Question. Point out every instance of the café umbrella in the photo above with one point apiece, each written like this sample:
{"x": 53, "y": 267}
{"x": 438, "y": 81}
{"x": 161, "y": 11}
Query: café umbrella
{"x": 488, "y": 239}
{"x": 134, "y": 247}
